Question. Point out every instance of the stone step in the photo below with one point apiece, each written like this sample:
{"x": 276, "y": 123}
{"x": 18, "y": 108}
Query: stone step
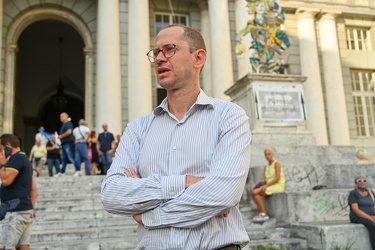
{"x": 87, "y": 214}
{"x": 127, "y": 243}
{"x": 42, "y": 225}
{"x": 78, "y": 199}
{"x": 309, "y": 206}
{"x": 299, "y": 149}
{"x": 285, "y": 243}
{"x": 83, "y": 234}
{"x": 70, "y": 207}
{"x": 306, "y": 176}
{"x": 70, "y": 215}
{"x": 332, "y": 235}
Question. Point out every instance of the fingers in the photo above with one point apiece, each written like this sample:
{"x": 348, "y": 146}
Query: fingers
{"x": 131, "y": 173}
{"x": 224, "y": 215}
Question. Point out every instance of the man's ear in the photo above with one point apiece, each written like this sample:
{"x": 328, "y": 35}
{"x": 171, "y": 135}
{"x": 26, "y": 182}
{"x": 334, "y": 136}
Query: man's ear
{"x": 200, "y": 58}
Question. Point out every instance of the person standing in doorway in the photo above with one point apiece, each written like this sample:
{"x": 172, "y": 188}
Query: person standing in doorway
{"x": 67, "y": 140}
{"x": 18, "y": 189}
{"x": 94, "y": 152}
{"x": 38, "y": 156}
{"x": 40, "y": 136}
{"x": 105, "y": 141}
{"x": 53, "y": 156}
{"x": 180, "y": 171}
{"x": 81, "y": 134}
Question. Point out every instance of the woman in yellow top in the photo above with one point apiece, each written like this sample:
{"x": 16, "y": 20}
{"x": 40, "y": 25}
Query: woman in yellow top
{"x": 272, "y": 181}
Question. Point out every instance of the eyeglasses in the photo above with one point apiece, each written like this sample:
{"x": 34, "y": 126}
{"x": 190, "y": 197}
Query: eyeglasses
{"x": 168, "y": 51}
{"x": 360, "y": 180}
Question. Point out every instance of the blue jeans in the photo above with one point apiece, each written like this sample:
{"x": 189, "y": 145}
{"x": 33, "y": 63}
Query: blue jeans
{"x": 53, "y": 163}
{"x": 66, "y": 154}
{"x": 82, "y": 154}
{"x": 107, "y": 161}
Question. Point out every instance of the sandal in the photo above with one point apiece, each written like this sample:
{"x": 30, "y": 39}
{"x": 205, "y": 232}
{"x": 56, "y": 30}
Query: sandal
{"x": 261, "y": 217}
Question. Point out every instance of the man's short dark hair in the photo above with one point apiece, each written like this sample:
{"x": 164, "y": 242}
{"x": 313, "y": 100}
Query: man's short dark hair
{"x": 191, "y": 36}
{"x": 10, "y": 139}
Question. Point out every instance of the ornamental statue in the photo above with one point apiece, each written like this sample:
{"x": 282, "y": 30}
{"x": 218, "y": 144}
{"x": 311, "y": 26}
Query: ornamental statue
{"x": 268, "y": 40}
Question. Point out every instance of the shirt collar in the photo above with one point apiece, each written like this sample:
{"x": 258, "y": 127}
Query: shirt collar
{"x": 202, "y": 100}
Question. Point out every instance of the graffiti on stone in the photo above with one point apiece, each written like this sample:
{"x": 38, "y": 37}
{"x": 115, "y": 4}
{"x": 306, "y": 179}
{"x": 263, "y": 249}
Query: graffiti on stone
{"x": 328, "y": 204}
{"x": 323, "y": 204}
{"x": 301, "y": 175}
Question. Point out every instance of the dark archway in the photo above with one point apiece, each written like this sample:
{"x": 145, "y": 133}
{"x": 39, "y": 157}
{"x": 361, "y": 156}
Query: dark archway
{"x": 39, "y": 68}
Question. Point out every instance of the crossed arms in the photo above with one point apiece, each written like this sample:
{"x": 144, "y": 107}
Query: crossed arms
{"x": 200, "y": 190}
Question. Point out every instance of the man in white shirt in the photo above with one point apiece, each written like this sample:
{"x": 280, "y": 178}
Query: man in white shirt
{"x": 181, "y": 170}
{"x": 81, "y": 134}
{"x": 41, "y": 137}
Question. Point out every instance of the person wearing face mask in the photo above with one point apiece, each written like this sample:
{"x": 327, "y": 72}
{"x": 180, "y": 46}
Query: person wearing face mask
{"x": 362, "y": 211}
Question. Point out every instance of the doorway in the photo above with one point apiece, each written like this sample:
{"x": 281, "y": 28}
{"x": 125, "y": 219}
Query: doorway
{"x": 50, "y": 55}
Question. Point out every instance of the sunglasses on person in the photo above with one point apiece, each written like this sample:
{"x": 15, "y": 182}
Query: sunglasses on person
{"x": 360, "y": 180}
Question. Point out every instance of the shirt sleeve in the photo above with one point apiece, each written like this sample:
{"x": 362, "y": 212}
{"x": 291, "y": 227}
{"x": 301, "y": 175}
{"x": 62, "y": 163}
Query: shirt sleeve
{"x": 163, "y": 201}
{"x": 204, "y": 200}
{"x": 140, "y": 194}
{"x": 352, "y": 199}
{"x": 15, "y": 163}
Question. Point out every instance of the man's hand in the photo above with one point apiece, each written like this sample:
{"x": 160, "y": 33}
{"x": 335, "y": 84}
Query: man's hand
{"x": 131, "y": 173}
{"x": 224, "y": 215}
{"x": 138, "y": 218}
{"x": 3, "y": 159}
{"x": 190, "y": 180}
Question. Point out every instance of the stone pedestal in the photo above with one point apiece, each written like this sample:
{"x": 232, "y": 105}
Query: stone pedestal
{"x": 275, "y": 105}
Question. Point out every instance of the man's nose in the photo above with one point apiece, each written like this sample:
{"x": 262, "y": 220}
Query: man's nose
{"x": 160, "y": 57}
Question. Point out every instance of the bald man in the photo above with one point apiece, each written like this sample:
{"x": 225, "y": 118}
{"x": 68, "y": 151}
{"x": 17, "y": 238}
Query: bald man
{"x": 67, "y": 140}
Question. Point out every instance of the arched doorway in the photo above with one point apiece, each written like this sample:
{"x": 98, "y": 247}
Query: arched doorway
{"x": 21, "y": 115}
{"x": 50, "y": 54}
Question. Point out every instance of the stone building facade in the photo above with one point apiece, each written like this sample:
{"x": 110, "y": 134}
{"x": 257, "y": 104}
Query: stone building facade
{"x": 88, "y": 58}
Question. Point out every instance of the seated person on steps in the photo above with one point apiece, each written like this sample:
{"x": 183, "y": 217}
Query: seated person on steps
{"x": 362, "y": 211}
{"x": 272, "y": 181}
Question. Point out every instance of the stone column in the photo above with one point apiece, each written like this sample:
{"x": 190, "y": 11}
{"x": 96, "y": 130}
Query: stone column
{"x": 139, "y": 68}
{"x": 316, "y": 120}
{"x": 89, "y": 87}
{"x": 10, "y": 61}
{"x": 242, "y": 17}
{"x": 222, "y": 68}
{"x": 334, "y": 84}
{"x": 205, "y": 31}
{"x": 108, "y": 103}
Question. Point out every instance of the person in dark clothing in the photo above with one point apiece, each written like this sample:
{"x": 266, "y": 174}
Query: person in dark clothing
{"x": 53, "y": 156}
{"x": 105, "y": 141}
{"x": 95, "y": 163}
{"x": 361, "y": 202}
{"x": 67, "y": 140}
{"x": 19, "y": 190}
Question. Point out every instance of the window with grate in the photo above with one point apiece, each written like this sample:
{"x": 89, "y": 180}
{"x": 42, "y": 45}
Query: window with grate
{"x": 358, "y": 38}
{"x": 163, "y": 20}
{"x": 364, "y": 101}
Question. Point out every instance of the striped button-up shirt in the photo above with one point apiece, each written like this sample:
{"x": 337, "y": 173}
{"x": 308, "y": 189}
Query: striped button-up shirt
{"x": 211, "y": 141}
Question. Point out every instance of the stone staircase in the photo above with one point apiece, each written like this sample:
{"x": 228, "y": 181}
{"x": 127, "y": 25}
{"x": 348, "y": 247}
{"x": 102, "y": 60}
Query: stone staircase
{"x": 70, "y": 216}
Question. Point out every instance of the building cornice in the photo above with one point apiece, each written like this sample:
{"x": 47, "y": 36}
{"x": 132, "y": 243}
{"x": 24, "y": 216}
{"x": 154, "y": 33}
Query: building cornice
{"x": 346, "y": 7}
